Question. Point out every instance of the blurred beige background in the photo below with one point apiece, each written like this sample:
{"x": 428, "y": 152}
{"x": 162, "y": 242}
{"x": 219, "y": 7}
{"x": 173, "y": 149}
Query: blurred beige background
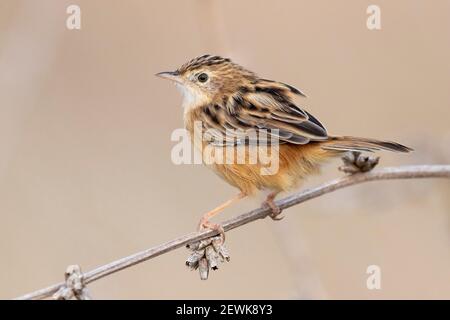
{"x": 85, "y": 169}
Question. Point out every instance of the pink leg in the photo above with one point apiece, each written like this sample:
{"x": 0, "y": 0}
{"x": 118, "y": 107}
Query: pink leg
{"x": 206, "y": 224}
{"x": 271, "y": 204}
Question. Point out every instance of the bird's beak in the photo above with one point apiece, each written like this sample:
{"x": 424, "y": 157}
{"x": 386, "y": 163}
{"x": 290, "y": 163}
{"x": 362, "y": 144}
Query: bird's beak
{"x": 171, "y": 75}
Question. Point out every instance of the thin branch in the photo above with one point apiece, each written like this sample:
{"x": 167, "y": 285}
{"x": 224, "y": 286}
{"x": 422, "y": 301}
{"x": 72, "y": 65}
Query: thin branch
{"x": 405, "y": 172}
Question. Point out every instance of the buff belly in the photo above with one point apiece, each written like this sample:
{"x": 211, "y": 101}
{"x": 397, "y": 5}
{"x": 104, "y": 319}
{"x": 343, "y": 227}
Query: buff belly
{"x": 295, "y": 162}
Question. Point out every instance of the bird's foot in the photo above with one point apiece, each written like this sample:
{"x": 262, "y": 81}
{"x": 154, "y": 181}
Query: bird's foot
{"x": 355, "y": 162}
{"x": 206, "y": 224}
{"x": 207, "y": 255}
{"x": 276, "y": 210}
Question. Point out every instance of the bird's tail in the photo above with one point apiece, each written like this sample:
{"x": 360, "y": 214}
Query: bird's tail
{"x": 346, "y": 143}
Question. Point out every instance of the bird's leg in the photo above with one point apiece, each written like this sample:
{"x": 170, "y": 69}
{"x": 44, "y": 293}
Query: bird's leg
{"x": 355, "y": 162}
{"x": 206, "y": 224}
{"x": 269, "y": 202}
{"x": 207, "y": 254}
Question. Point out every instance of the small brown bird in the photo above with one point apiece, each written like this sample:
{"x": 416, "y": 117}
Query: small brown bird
{"x": 227, "y": 98}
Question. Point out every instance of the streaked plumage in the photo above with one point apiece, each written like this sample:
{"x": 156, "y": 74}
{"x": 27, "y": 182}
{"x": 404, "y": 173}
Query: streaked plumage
{"x": 235, "y": 98}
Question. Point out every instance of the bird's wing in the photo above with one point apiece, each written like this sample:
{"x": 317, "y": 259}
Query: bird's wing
{"x": 267, "y": 108}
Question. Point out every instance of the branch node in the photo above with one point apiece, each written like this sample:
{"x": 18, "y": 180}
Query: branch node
{"x": 355, "y": 162}
{"x": 74, "y": 287}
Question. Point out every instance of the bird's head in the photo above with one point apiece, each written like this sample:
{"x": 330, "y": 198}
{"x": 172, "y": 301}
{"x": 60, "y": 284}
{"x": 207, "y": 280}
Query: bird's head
{"x": 207, "y": 79}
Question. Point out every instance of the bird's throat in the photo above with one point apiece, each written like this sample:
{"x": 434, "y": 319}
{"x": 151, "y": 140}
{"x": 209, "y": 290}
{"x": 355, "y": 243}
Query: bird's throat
{"x": 192, "y": 97}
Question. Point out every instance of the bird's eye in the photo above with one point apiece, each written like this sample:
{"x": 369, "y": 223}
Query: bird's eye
{"x": 202, "y": 77}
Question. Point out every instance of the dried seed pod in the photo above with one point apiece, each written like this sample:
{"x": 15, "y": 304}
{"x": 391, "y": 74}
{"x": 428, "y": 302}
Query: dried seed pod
{"x": 222, "y": 251}
{"x": 207, "y": 254}
{"x": 355, "y": 162}
{"x": 74, "y": 287}
{"x": 203, "y": 269}
{"x": 194, "y": 258}
{"x": 212, "y": 257}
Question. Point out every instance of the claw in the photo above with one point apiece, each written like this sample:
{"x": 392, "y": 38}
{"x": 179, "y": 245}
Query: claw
{"x": 206, "y": 224}
{"x": 275, "y": 218}
{"x": 276, "y": 210}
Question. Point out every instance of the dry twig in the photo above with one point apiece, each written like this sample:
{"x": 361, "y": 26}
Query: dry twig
{"x": 405, "y": 172}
